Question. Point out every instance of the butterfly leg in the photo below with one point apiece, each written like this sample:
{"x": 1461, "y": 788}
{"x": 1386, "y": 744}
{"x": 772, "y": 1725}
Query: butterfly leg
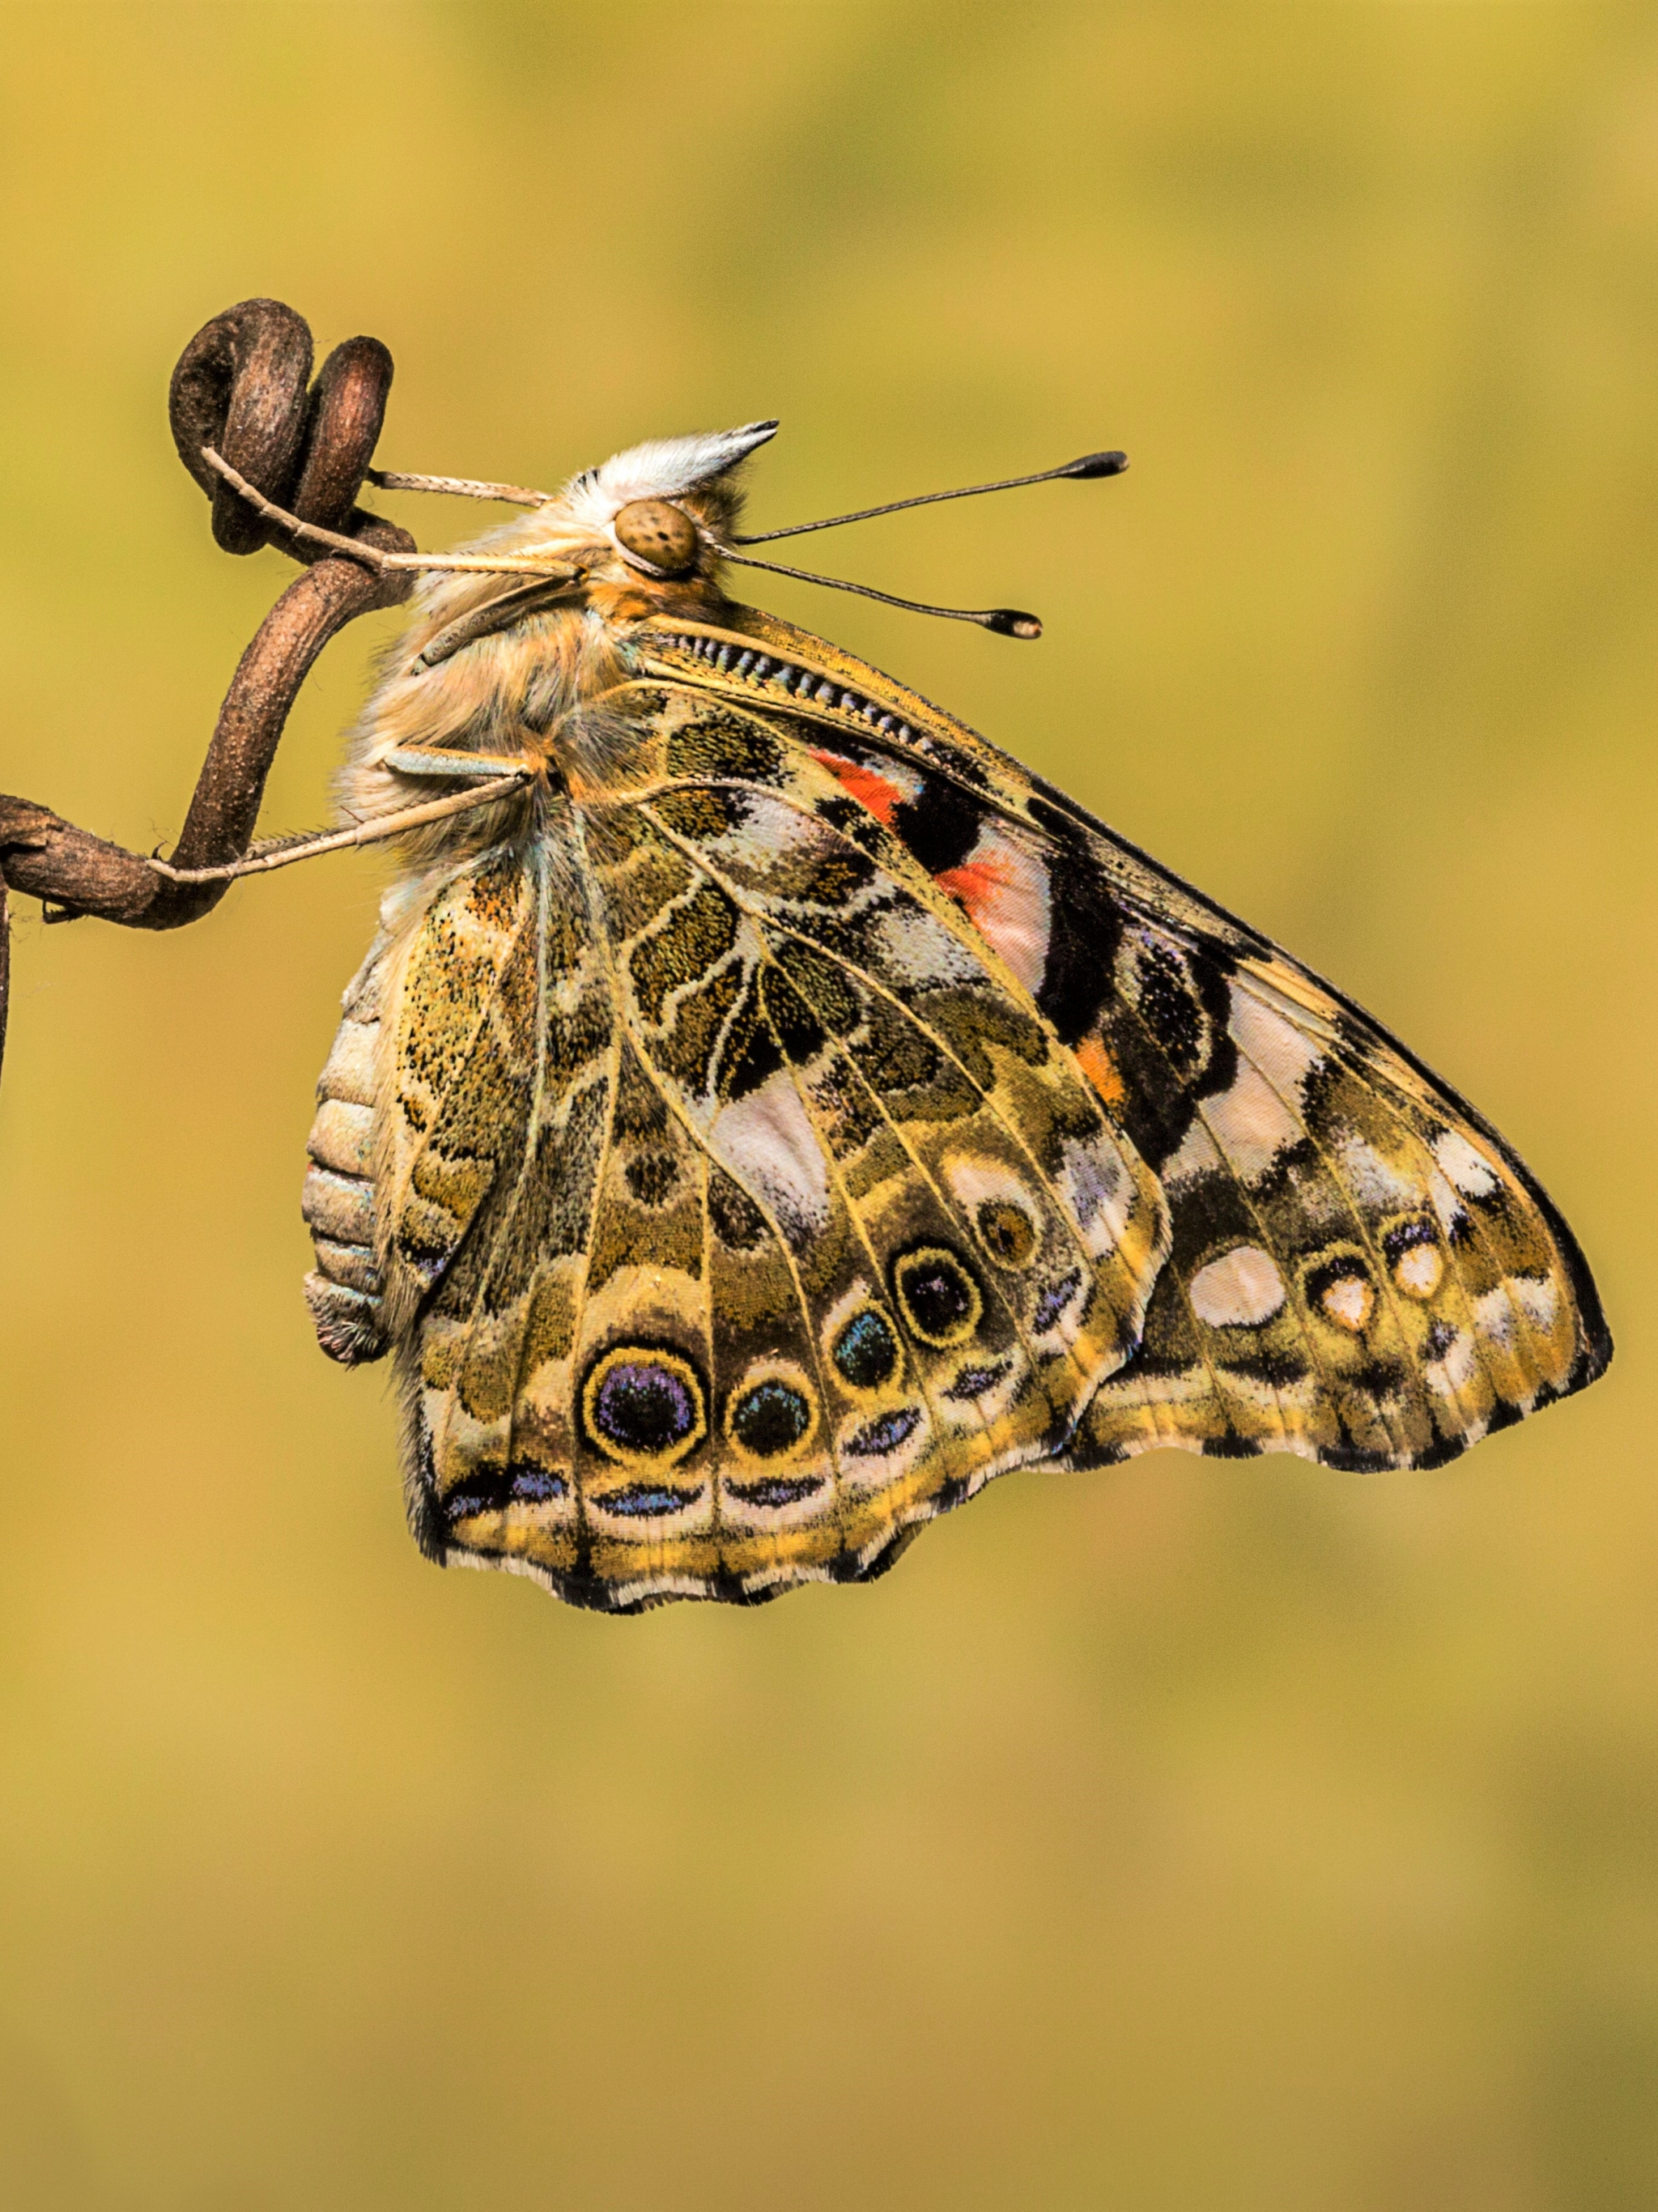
{"x": 431, "y": 760}
{"x": 284, "y": 852}
{"x": 460, "y": 488}
{"x": 310, "y": 533}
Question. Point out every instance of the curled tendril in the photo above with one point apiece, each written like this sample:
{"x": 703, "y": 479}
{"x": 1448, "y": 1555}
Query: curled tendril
{"x": 242, "y": 385}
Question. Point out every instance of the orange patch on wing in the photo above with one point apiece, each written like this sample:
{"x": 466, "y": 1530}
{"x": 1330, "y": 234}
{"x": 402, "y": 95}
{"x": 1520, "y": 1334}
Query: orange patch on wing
{"x": 978, "y": 884}
{"x": 1097, "y": 1065}
{"x": 868, "y": 788}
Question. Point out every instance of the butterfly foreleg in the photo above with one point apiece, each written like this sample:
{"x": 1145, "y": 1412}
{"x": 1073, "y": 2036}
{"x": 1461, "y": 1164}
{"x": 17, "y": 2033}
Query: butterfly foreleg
{"x": 460, "y": 488}
{"x": 358, "y": 549}
{"x": 284, "y": 852}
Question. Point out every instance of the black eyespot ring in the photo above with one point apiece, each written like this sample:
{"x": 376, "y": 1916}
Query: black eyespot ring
{"x": 643, "y": 1404}
{"x": 940, "y": 1300}
{"x": 772, "y": 1417}
{"x": 868, "y": 1353}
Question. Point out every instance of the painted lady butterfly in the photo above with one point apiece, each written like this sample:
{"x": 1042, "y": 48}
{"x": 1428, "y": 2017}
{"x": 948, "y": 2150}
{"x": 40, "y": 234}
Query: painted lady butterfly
{"x": 767, "y": 1111}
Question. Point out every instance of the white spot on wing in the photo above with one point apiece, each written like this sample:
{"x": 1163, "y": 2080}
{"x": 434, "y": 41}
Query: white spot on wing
{"x": 767, "y": 839}
{"x": 1004, "y": 886}
{"x": 1448, "y": 1376}
{"x": 1196, "y": 1156}
{"x": 974, "y": 1177}
{"x": 1533, "y": 1299}
{"x": 1100, "y": 1191}
{"x": 1251, "y": 1124}
{"x": 1494, "y": 1315}
{"x": 1258, "y": 1117}
{"x": 767, "y": 1143}
{"x": 1418, "y": 1270}
{"x": 917, "y": 948}
{"x": 1348, "y": 1302}
{"x": 1241, "y": 1289}
{"x": 1539, "y": 1300}
{"x": 1286, "y": 1056}
{"x": 1445, "y": 1203}
{"x": 1373, "y": 1180}
{"x": 1472, "y": 1176}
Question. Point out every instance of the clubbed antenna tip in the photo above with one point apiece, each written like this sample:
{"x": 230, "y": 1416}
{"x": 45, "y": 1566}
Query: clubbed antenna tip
{"x": 1094, "y": 464}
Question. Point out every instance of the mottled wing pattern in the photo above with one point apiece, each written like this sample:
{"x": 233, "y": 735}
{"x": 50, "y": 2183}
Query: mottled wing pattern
{"x": 880, "y": 1088}
{"x": 735, "y": 1210}
{"x": 1361, "y": 1271}
{"x": 504, "y": 1078}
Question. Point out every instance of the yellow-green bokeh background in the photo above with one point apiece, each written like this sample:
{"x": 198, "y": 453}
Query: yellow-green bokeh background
{"x": 1195, "y": 1834}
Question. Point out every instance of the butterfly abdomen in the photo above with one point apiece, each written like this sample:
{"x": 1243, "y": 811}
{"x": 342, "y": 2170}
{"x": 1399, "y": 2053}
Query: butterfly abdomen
{"x": 344, "y": 1291}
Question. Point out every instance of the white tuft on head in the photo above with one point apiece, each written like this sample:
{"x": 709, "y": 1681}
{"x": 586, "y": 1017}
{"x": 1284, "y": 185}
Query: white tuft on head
{"x": 663, "y": 468}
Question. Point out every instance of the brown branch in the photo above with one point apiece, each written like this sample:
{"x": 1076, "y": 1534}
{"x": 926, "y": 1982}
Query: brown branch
{"x": 240, "y": 386}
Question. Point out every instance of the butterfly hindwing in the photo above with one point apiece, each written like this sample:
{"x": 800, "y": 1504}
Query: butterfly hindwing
{"x": 970, "y": 1243}
{"x": 746, "y": 1212}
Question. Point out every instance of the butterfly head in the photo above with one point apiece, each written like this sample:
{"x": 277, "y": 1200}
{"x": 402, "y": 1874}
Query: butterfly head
{"x": 663, "y": 506}
{"x": 641, "y": 534}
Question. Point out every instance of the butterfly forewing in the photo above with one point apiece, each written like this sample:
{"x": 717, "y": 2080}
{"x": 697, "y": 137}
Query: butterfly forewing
{"x": 1361, "y": 1270}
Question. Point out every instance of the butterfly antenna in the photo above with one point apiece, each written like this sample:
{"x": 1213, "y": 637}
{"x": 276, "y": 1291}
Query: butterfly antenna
{"x": 1007, "y": 621}
{"x": 1087, "y": 466}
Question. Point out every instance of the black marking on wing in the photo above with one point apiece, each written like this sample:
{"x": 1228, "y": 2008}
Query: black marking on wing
{"x": 493, "y": 1489}
{"x": 940, "y": 825}
{"x": 1086, "y": 926}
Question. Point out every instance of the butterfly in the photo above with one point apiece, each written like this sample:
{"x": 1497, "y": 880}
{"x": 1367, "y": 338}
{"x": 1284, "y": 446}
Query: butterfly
{"x": 767, "y": 1112}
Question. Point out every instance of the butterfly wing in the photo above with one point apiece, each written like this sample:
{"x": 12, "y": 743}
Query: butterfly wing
{"x": 739, "y": 1212}
{"x": 811, "y": 1116}
{"x": 1361, "y": 1271}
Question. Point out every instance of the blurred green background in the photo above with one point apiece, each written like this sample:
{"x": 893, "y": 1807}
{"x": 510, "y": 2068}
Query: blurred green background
{"x": 1196, "y": 1834}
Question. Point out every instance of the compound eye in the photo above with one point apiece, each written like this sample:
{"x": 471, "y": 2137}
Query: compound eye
{"x": 659, "y": 534}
